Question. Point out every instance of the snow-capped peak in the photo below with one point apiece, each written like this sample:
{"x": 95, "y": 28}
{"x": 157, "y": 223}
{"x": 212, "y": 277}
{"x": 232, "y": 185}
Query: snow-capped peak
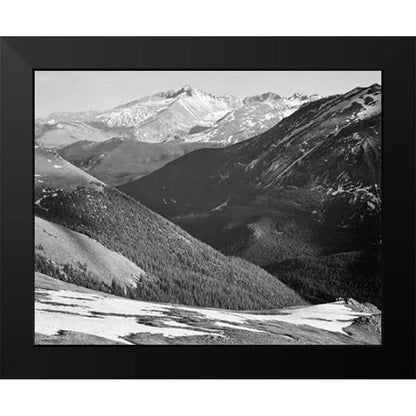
{"x": 185, "y": 90}
{"x": 172, "y": 114}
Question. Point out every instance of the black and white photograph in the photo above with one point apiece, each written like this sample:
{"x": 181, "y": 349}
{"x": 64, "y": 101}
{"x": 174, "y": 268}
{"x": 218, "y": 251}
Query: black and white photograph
{"x": 208, "y": 207}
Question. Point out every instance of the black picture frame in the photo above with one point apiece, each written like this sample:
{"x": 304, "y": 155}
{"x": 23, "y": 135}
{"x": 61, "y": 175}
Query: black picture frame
{"x": 20, "y": 56}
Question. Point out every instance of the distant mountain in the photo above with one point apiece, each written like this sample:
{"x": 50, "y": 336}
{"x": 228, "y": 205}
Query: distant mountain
{"x": 187, "y": 114}
{"x": 177, "y": 268}
{"x": 308, "y": 186}
{"x": 155, "y": 119}
{"x": 257, "y": 114}
{"x": 58, "y": 134}
{"x": 118, "y": 161}
{"x": 170, "y": 115}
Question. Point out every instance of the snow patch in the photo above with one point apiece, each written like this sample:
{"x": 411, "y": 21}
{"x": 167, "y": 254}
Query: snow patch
{"x": 101, "y": 316}
{"x": 221, "y": 206}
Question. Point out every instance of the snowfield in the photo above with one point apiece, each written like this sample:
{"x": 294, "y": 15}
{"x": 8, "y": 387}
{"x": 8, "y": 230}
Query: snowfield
{"x": 69, "y": 308}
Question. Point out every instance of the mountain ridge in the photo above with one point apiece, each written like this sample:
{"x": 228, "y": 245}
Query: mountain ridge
{"x": 168, "y": 116}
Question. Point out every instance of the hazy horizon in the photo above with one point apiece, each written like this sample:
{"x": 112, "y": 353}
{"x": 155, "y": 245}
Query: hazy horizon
{"x": 67, "y": 91}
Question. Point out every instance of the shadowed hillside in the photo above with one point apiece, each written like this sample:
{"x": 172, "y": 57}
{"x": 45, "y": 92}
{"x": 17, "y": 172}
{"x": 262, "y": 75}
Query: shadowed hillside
{"x": 179, "y": 268}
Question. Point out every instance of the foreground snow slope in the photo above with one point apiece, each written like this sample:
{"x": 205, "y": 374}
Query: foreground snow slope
{"x": 64, "y": 310}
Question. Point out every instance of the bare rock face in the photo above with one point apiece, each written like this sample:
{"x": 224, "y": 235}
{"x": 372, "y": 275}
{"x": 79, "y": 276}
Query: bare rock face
{"x": 362, "y": 307}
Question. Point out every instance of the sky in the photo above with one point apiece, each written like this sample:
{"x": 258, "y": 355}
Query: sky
{"x": 57, "y": 91}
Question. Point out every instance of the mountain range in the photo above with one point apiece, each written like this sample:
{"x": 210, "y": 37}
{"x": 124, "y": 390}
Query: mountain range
{"x": 185, "y": 115}
{"x": 137, "y": 138}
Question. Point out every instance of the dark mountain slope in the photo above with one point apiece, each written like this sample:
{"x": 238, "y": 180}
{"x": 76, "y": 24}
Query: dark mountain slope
{"x": 178, "y": 267}
{"x": 356, "y": 274}
{"x": 308, "y": 186}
